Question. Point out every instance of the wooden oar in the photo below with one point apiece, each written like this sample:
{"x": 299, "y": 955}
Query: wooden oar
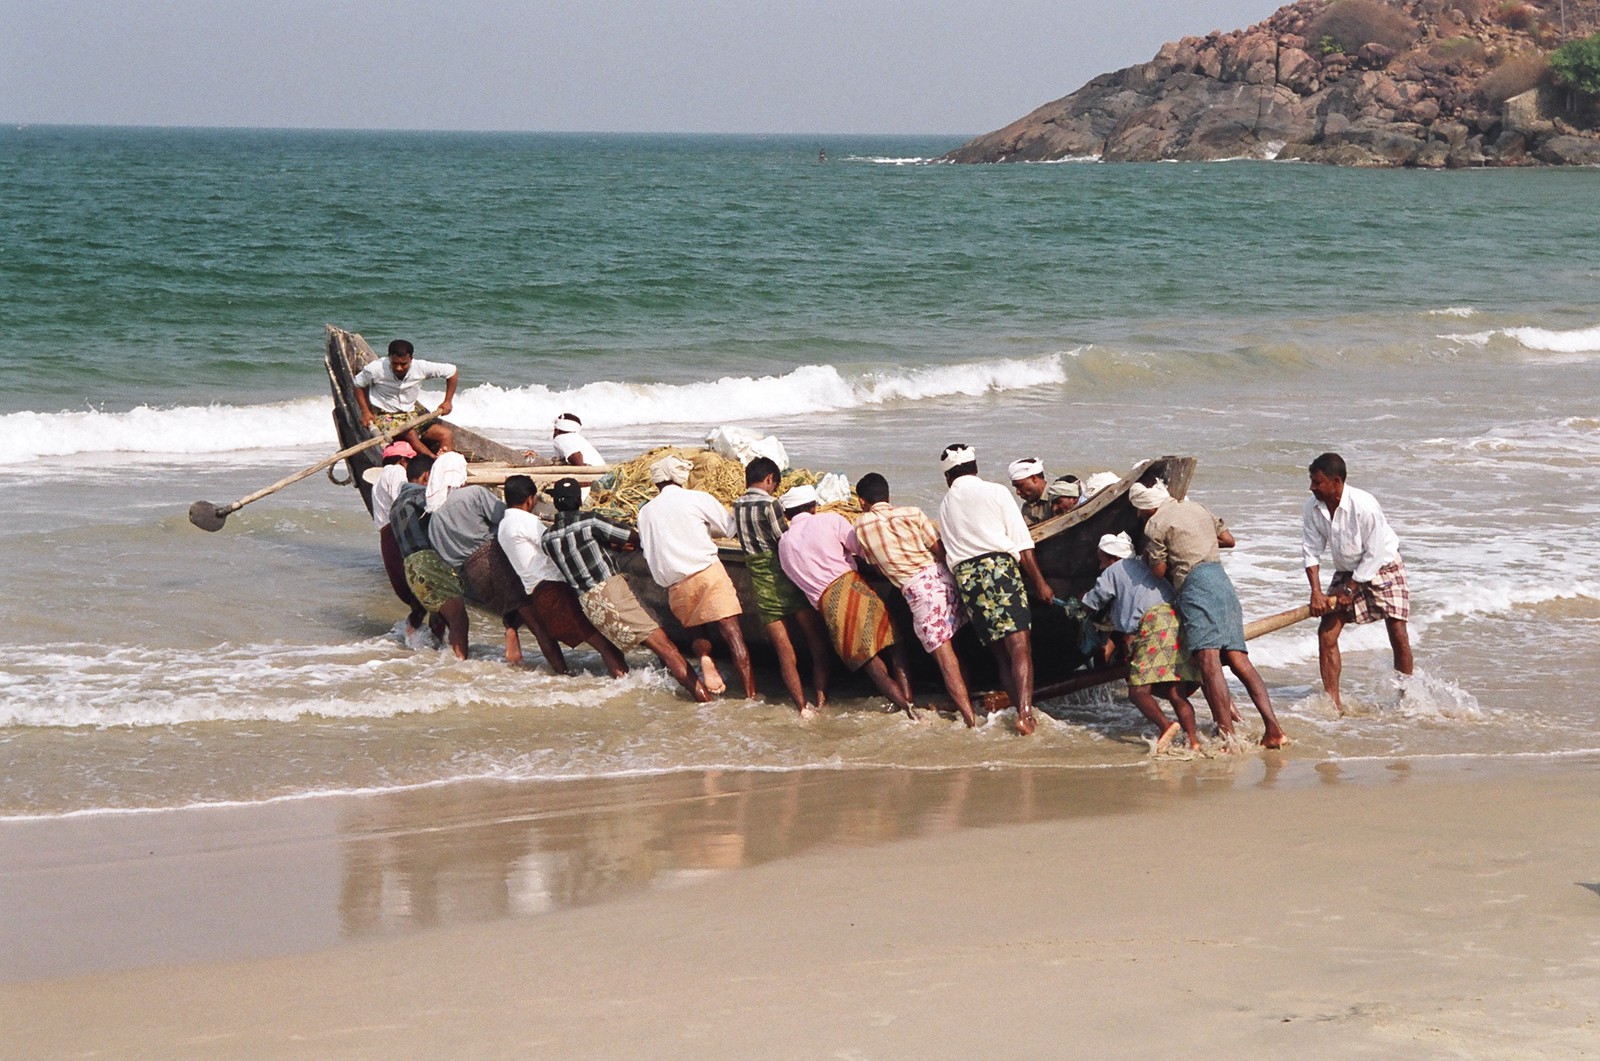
{"x": 999, "y": 701}
{"x": 210, "y": 517}
{"x": 496, "y": 475}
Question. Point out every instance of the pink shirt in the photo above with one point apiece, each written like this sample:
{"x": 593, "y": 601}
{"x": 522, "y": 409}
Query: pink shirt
{"x": 817, "y": 548}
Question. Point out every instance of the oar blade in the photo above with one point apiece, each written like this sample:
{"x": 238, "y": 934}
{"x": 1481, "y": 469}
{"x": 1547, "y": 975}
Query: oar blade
{"x": 206, "y": 516}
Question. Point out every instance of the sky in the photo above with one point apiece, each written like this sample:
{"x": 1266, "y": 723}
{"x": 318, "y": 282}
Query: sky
{"x": 705, "y": 66}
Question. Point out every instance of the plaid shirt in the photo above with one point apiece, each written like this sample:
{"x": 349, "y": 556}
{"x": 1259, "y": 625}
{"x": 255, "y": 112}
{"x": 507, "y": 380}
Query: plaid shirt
{"x": 897, "y": 541}
{"x": 408, "y": 520}
{"x": 577, "y": 542}
{"x": 759, "y": 519}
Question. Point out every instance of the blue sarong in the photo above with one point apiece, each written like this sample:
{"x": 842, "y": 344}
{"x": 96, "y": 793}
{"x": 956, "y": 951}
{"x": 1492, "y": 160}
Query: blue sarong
{"x": 1209, "y": 611}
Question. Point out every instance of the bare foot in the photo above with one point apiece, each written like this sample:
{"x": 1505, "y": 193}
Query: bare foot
{"x": 822, "y": 699}
{"x": 968, "y": 717}
{"x": 702, "y": 695}
{"x": 1275, "y": 740}
{"x": 1164, "y": 741}
{"x": 807, "y": 713}
{"x": 712, "y": 677}
{"x": 1025, "y": 721}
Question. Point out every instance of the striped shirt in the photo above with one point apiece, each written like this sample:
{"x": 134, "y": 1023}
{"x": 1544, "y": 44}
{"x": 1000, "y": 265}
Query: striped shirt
{"x": 759, "y": 520}
{"x": 897, "y": 541}
{"x": 577, "y": 542}
{"x": 409, "y": 521}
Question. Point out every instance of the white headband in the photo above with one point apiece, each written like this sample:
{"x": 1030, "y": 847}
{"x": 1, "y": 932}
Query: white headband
{"x": 567, "y": 423}
{"x": 796, "y": 496}
{"x": 449, "y": 472}
{"x": 1099, "y": 481}
{"x": 956, "y": 456}
{"x": 1117, "y": 545}
{"x": 1026, "y": 468}
{"x": 1063, "y": 488}
{"x": 671, "y": 469}
{"x": 1146, "y": 498}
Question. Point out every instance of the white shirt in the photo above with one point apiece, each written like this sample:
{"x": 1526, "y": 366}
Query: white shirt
{"x": 978, "y": 517}
{"x": 521, "y": 535}
{"x": 570, "y": 444}
{"x": 1357, "y": 533}
{"x": 675, "y": 532}
{"x": 385, "y": 490}
{"x": 389, "y": 395}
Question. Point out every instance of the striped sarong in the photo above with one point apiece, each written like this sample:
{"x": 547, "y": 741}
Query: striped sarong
{"x": 1386, "y": 597}
{"x": 1153, "y": 653}
{"x": 857, "y": 619}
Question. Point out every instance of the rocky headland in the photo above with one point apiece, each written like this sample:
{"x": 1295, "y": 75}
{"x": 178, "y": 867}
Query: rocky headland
{"x": 1425, "y": 83}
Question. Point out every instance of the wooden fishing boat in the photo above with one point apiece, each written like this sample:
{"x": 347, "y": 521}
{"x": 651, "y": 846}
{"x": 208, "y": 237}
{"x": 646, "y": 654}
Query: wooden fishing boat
{"x": 1065, "y": 545}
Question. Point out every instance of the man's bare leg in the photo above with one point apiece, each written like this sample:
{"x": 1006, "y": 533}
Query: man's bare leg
{"x": 1140, "y": 697}
{"x": 1178, "y": 697}
{"x": 954, "y": 682}
{"x": 1239, "y": 663}
{"x": 1400, "y": 642}
{"x": 1329, "y": 661}
{"x": 879, "y": 673}
{"x": 816, "y": 636}
{"x": 700, "y": 647}
{"x": 549, "y": 647}
{"x": 1019, "y": 647}
{"x": 788, "y": 665}
{"x": 616, "y": 663}
{"x": 659, "y": 643}
{"x": 455, "y": 619}
{"x": 734, "y": 636}
{"x": 513, "y": 646}
{"x": 899, "y": 670}
{"x": 1215, "y": 688}
{"x": 1008, "y": 677}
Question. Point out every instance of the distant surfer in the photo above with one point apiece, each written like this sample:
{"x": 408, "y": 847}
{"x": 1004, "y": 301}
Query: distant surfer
{"x": 387, "y": 390}
{"x": 1369, "y": 581}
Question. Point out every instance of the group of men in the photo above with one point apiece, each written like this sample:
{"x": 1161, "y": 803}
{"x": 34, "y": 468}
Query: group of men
{"x": 1172, "y": 612}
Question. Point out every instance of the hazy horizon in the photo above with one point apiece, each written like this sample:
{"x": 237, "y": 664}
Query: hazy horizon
{"x": 945, "y": 67}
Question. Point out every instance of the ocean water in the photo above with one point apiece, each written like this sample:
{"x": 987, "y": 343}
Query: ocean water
{"x": 162, "y": 296}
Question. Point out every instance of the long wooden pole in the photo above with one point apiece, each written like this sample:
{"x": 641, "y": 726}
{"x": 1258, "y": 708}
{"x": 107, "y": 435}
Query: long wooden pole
{"x": 210, "y": 517}
{"x": 999, "y": 701}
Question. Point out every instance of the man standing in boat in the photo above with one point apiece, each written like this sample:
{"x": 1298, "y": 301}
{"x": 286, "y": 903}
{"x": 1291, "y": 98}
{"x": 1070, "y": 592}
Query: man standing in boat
{"x": 387, "y": 390}
{"x": 990, "y": 553}
{"x": 903, "y": 544}
{"x": 1369, "y": 581}
{"x": 677, "y": 529}
{"x": 1182, "y": 543}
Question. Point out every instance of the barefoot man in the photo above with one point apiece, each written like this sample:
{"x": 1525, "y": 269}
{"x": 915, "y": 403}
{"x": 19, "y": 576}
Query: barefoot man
{"x": 1182, "y": 539}
{"x": 1369, "y": 581}
{"x": 580, "y": 544}
{"x": 990, "y": 553}
{"x": 760, "y": 521}
{"x": 677, "y": 529}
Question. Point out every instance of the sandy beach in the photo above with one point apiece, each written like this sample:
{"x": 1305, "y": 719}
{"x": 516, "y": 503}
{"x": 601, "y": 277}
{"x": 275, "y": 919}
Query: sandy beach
{"x": 1399, "y": 909}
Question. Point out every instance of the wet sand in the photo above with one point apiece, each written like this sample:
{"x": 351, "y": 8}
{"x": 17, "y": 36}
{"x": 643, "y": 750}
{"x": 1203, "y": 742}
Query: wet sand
{"x": 1377, "y": 909}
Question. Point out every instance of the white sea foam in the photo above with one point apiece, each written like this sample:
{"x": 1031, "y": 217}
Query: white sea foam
{"x": 1572, "y": 342}
{"x": 1453, "y": 311}
{"x": 191, "y": 431}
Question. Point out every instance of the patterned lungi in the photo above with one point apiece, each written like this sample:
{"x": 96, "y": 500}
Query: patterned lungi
{"x": 936, "y": 612}
{"x": 1387, "y": 596}
{"x": 491, "y": 581}
{"x": 991, "y": 588}
{"x": 617, "y": 613}
{"x": 1153, "y": 653}
{"x": 857, "y": 619}
{"x": 1209, "y": 610}
{"x": 704, "y": 597}
{"x": 433, "y": 581}
{"x": 777, "y": 597}
{"x": 383, "y": 423}
{"x": 556, "y": 605}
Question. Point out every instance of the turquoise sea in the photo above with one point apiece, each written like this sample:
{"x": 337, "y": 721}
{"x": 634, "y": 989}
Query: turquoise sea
{"x": 162, "y": 297}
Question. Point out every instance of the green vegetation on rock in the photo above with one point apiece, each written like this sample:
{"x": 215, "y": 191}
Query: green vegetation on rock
{"x": 1577, "y": 64}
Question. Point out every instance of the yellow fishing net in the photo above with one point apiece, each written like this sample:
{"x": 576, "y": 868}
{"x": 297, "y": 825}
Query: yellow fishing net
{"x": 622, "y": 492}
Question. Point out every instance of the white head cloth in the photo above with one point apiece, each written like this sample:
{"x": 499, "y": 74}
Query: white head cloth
{"x": 1117, "y": 545}
{"x": 567, "y": 423}
{"x": 1026, "y": 468}
{"x": 1147, "y": 498}
{"x": 796, "y": 496}
{"x": 1098, "y": 482}
{"x": 449, "y": 472}
{"x": 670, "y": 469}
{"x": 955, "y": 456}
{"x": 1062, "y": 488}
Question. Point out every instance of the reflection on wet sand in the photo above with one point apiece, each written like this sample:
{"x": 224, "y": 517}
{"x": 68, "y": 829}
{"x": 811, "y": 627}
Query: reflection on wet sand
{"x": 475, "y": 853}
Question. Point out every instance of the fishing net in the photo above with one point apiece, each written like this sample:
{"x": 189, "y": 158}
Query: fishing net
{"x": 622, "y": 492}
